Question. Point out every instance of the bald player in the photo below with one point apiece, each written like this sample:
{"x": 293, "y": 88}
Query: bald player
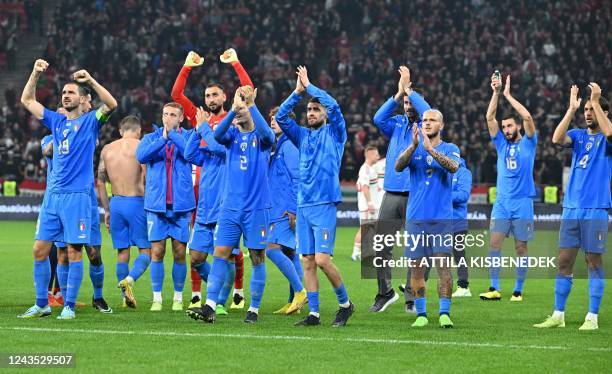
{"x": 125, "y": 216}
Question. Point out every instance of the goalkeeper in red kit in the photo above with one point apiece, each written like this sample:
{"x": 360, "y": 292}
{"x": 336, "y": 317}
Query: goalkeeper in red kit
{"x": 214, "y": 99}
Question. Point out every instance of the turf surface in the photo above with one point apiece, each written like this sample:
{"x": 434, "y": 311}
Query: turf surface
{"x": 491, "y": 336}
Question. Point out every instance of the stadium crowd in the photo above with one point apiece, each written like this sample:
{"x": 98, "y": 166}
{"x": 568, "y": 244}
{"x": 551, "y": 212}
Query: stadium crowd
{"x": 352, "y": 48}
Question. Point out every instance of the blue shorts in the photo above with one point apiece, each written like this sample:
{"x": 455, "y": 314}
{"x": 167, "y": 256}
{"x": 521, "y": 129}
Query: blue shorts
{"x": 252, "y": 225}
{"x": 315, "y": 229}
{"x": 65, "y": 217}
{"x": 202, "y": 238}
{"x": 96, "y": 235}
{"x": 513, "y": 217}
{"x": 169, "y": 224}
{"x": 585, "y": 228}
{"x": 280, "y": 233}
{"x": 128, "y": 222}
{"x": 428, "y": 238}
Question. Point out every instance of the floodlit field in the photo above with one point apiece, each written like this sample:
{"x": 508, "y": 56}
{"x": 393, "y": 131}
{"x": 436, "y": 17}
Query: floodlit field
{"x": 496, "y": 336}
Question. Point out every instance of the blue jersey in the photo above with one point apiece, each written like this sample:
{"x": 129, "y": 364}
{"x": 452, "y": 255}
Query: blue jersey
{"x": 320, "y": 149}
{"x": 589, "y": 181}
{"x": 211, "y": 157}
{"x": 74, "y": 143}
{"x": 246, "y": 164}
{"x": 515, "y": 166}
{"x": 431, "y": 185}
{"x": 284, "y": 178}
{"x": 43, "y": 144}
{"x": 398, "y": 129}
{"x": 462, "y": 187}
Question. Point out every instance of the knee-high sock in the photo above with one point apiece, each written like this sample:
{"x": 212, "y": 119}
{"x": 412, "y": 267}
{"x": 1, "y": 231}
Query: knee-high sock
{"x": 53, "y": 263}
{"x": 420, "y": 304}
{"x": 140, "y": 266}
{"x": 313, "y": 301}
{"x": 285, "y": 265}
{"x": 297, "y": 264}
{"x": 494, "y": 269}
{"x": 216, "y": 277}
{"x": 203, "y": 269}
{"x": 521, "y": 274}
{"x": 96, "y": 274}
{"x": 258, "y": 283}
{"x": 122, "y": 270}
{"x": 75, "y": 278}
{"x": 196, "y": 280}
{"x": 238, "y": 282}
{"x": 179, "y": 273}
{"x": 563, "y": 286}
{"x": 227, "y": 284}
{"x": 62, "y": 278}
{"x": 597, "y": 283}
{"x": 445, "y": 304}
{"x": 42, "y": 273}
{"x": 342, "y": 295}
{"x": 462, "y": 269}
{"x": 157, "y": 275}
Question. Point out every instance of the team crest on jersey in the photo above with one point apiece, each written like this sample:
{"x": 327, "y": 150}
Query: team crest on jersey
{"x": 429, "y": 160}
{"x": 243, "y": 146}
{"x": 76, "y": 127}
{"x": 512, "y": 151}
{"x": 244, "y": 137}
{"x": 588, "y": 146}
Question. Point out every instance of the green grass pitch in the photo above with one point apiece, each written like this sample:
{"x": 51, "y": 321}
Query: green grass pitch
{"x": 491, "y": 336}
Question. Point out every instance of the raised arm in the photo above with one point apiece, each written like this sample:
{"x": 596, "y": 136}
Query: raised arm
{"x": 178, "y": 90}
{"x": 383, "y": 118}
{"x": 450, "y": 163}
{"x": 28, "y": 96}
{"x": 404, "y": 159}
{"x": 602, "y": 118}
{"x": 528, "y": 123}
{"x": 230, "y": 56}
{"x": 334, "y": 114}
{"x": 283, "y": 116}
{"x": 492, "y": 108}
{"x": 221, "y": 134}
{"x": 192, "y": 153}
{"x": 101, "y": 186}
{"x": 560, "y": 135}
{"x": 109, "y": 104}
{"x": 148, "y": 149}
{"x": 264, "y": 132}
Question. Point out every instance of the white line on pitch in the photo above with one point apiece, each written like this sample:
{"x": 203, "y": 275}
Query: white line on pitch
{"x": 311, "y": 338}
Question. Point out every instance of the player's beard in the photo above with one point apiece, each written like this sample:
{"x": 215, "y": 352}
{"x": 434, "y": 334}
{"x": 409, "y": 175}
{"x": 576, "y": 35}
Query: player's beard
{"x": 70, "y": 108}
{"x": 217, "y": 109}
{"x": 593, "y": 125}
{"x": 513, "y": 137}
{"x": 412, "y": 114}
{"x": 316, "y": 125}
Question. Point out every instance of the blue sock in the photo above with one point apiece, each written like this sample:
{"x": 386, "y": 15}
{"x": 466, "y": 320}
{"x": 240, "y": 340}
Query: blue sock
{"x": 445, "y": 304}
{"x": 140, "y": 265}
{"x": 284, "y": 264}
{"x": 96, "y": 273}
{"x": 420, "y": 304}
{"x": 62, "y": 277}
{"x": 258, "y": 283}
{"x": 313, "y": 301}
{"x": 341, "y": 294}
{"x": 297, "y": 264}
{"x": 216, "y": 277}
{"x": 494, "y": 270}
{"x": 597, "y": 282}
{"x": 122, "y": 271}
{"x": 42, "y": 275}
{"x": 203, "y": 269}
{"x": 521, "y": 274}
{"x": 75, "y": 278}
{"x": 157, "y": 275}
{"x": 179, "y": 273}
{"x": 563, "y": 286}
{"x": 228, "y": 284}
